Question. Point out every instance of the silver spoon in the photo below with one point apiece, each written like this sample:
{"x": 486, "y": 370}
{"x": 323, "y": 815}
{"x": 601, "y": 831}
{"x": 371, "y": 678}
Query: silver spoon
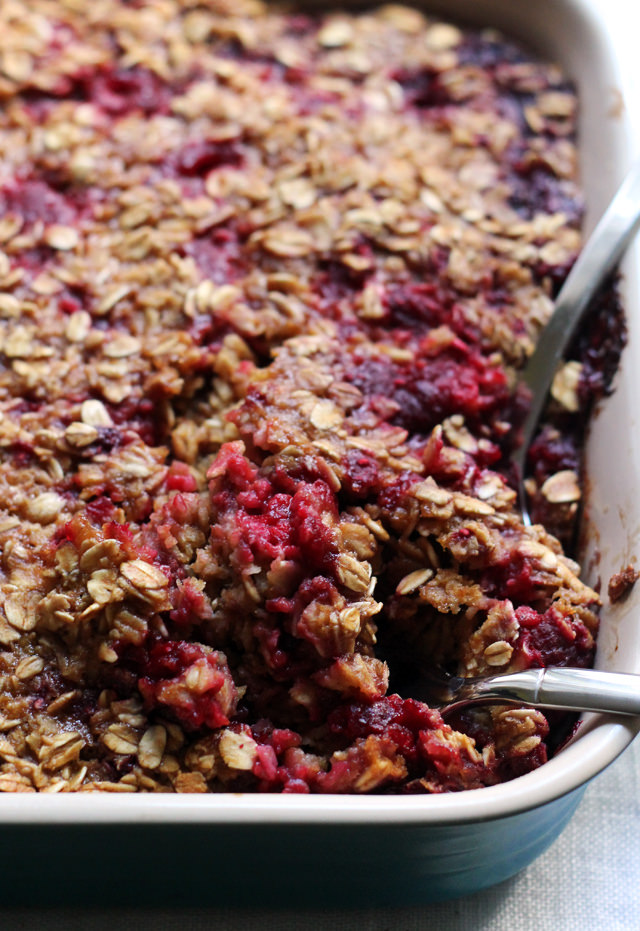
{"x": 598, "y": 257}
{"x": 559, "y": 688}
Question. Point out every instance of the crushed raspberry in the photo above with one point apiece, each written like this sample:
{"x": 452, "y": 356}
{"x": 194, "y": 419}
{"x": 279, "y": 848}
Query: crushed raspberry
{"x": 423, "y": 88}
{"x": 192, "y": 682}
{"x": 551, "y": 452}
{"x": 361, "y": 475}
{"x": 536, "y": 189}
{"x": 121, "y": 91}
{"x": 430, "y": 390}
{"x": 100, "y": 510}
{"x": 33, "y": 199}
{"x": 416, "y": 734}
{"x": 218, "y": 254}
{"x": 198, "y": 158}
{"x": 180, "y": 478}
{"x": 547, "y": 640}
{"x": 141, "y": 417}
{"x": 296, "y": 523}
{"x": 422, "y": 306}
{"x": 191, "y": 605}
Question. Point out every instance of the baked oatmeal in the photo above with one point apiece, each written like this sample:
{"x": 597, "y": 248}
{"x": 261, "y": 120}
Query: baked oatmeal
{"x": 266, "y": 282}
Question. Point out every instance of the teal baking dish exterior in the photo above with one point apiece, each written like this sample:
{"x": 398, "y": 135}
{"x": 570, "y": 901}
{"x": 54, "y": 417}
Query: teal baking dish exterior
{"x": 272, "y": 865}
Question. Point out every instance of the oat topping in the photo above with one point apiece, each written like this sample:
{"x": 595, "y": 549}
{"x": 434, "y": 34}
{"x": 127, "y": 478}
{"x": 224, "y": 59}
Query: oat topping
{"x": 266, "y": 282}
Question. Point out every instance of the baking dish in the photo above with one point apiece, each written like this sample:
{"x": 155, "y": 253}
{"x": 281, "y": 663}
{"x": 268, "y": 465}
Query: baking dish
{"x": 380, "y": 850}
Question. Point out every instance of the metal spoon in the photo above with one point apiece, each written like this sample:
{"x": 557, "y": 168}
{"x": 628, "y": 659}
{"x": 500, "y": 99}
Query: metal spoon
{"x": 598, "y": 257}
{"x": 560, "y": 688}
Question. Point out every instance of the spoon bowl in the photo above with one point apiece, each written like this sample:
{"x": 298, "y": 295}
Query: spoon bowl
{"x": 597, "y": 259}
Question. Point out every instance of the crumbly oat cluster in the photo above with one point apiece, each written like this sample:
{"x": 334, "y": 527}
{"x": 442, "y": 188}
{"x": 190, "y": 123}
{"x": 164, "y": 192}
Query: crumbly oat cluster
{"x": 265, "y": 284}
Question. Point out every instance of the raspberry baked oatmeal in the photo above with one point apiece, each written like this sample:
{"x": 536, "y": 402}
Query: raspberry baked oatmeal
{"x": 266, "y": 282}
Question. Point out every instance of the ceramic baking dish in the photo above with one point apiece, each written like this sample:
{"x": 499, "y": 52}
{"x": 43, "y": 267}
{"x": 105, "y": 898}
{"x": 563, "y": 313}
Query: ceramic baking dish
{"x": 254, "y": 849}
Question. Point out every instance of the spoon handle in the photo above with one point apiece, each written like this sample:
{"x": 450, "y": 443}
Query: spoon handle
{"x": 562, "y": 688}
{"x": 598, "y": 257}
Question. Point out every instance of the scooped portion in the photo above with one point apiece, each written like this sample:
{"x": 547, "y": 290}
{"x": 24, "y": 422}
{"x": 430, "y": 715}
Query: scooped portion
{"x": 266, "y": 283}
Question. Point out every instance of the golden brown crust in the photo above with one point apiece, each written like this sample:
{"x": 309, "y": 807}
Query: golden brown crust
{"x": 230, "y": 238}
